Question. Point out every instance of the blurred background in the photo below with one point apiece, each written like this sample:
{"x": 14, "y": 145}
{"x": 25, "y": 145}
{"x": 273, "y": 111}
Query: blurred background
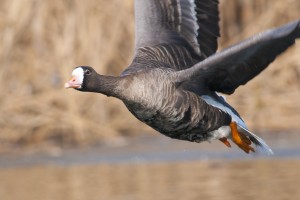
{"x": 43, "y": 126}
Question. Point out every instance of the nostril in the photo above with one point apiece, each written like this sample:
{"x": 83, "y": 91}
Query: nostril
{"x": 73, "y": 80}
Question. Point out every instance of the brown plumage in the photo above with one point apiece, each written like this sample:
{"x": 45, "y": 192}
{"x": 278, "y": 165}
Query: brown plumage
{"x": 172, "y": 82}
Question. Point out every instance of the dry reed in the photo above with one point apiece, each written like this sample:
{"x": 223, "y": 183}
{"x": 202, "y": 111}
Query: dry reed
{"x": 41, "y": 42}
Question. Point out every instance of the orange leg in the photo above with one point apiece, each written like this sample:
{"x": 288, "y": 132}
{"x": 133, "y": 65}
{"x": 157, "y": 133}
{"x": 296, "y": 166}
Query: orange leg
{"x": 225, "y": 141}
{"x": 239, "y": 139}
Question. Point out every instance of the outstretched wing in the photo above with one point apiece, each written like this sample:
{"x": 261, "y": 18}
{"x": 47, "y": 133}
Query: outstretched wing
{"x": 235, "y": 66}
{"x": 176, "y": 22}
{"x": 174, "y": 33}
{"x": 207, "y": 12}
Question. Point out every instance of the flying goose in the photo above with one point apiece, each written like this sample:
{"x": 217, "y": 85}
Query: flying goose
{"x": 173, "y": 80}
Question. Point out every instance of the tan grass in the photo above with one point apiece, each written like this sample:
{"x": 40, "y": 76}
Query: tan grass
{"x": 41, "y": 42}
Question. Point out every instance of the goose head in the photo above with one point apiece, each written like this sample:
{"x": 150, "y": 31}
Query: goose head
{"x": 82, "y": 78}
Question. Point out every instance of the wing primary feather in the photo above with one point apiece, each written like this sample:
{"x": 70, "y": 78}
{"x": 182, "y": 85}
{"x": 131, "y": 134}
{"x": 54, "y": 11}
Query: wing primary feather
{"x": 235, "y": 66}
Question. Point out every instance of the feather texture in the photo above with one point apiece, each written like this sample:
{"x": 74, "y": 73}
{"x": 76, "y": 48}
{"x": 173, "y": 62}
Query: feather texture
{"x": 236, "y": 65}
{"x": 172, "y": 81}
{"x": 190, "y": 22}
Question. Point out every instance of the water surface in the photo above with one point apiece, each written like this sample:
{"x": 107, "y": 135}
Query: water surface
{"x": 154, "y": 168}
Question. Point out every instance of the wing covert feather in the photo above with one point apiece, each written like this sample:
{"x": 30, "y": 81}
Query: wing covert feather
{"x": 235, "y": 66}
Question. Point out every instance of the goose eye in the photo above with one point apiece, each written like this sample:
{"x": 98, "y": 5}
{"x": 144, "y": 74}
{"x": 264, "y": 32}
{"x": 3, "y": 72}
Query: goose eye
{"x": 87, "y": 72}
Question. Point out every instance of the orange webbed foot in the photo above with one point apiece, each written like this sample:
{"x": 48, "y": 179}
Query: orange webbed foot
{"x": 240, "y": 139}
{"x": 225, "y": 141}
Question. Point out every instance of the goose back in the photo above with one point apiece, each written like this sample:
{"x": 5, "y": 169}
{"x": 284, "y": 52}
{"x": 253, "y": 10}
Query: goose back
{"x": 170, "y": 56}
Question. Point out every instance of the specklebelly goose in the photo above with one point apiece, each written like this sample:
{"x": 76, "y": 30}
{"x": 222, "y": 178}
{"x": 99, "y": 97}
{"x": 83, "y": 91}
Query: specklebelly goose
{"x": 173, "y": 80}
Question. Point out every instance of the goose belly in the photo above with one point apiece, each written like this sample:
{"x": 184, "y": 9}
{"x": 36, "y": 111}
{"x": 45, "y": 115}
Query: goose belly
{"x": 185, "y": 116}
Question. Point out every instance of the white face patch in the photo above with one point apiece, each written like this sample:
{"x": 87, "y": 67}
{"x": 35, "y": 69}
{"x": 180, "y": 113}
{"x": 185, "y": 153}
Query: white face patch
{"x": 78, "y": 74}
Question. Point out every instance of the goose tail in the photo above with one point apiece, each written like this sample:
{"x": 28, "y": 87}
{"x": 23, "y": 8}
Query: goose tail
{"x": 260, "y": 143}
